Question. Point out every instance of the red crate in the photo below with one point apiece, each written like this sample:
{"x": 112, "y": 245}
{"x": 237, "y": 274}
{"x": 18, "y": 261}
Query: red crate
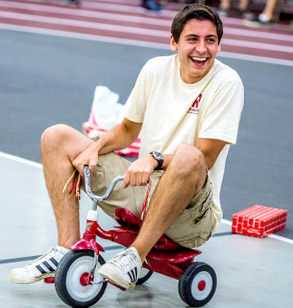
{"x": 259, "y": 221}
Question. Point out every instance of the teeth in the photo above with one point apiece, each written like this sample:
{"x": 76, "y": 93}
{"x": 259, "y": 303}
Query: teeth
{"x": 198, "y": 59}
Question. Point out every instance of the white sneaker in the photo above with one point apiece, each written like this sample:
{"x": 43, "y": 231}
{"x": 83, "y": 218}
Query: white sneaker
{"x": 43, "y": 267}
{"x": 124, "y": 268}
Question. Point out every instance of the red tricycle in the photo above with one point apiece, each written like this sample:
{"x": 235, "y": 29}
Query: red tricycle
{"x": 78, "y": 283}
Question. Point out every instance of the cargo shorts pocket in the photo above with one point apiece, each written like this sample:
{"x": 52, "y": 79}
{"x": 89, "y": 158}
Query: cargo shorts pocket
{"x": 203, "y": 227}
{"x": 201, "y": 212}
{"x": 196, "y": 223}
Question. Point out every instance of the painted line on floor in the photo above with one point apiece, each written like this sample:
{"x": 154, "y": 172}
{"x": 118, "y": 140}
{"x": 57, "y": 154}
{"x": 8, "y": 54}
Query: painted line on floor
{"x": 21, "y": 160}
{"x": 224, "y": 221}
{"x": 274, "y": 236}
{"x": 223, "y": 233}
{"x": 29, "y": 258}
{"x": 281, "y": 238}
{"x": 114, "y": 247}
{"x": 14, "y": 260}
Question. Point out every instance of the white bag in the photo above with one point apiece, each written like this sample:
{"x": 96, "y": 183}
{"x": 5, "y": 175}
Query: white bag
{"x": 106, "y": 112}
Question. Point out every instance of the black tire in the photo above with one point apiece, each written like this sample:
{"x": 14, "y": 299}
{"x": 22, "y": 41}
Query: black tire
{"x": 197, "y": 284}
{"x": 67, "y": 279}
{"x": 145, "y": 274}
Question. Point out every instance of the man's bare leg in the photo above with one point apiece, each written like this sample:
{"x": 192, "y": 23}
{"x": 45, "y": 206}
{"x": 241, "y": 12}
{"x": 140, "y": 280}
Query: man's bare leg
{"x": 60, "y": 145}
{"x": 270, "y": 9}
{"x": 184, "y": 177}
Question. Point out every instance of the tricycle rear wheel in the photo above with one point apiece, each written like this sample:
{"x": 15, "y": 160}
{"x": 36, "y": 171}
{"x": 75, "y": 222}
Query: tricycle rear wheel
{"x": 197, "y": 284}
{"x": 145, "y": 274}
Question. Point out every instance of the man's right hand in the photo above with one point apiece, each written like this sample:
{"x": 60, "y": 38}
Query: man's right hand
{"x": 119, "y": 137}
{"x": 88, "y": 157}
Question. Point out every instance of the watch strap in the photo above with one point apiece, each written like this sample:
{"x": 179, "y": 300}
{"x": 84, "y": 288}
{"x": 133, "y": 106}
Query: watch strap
{"x": 159, "y": 158}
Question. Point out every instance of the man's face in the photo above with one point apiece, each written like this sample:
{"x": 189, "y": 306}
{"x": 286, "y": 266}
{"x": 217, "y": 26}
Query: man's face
{"x": 197, "y": 48}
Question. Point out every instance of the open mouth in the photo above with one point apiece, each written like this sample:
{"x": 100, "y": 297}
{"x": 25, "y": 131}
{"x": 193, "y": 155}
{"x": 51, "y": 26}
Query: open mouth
{"x": 199, "y": 61}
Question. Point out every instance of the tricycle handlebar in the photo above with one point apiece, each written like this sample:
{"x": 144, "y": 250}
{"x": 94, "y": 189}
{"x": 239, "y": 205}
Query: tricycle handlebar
{"x": 88, "y": 184}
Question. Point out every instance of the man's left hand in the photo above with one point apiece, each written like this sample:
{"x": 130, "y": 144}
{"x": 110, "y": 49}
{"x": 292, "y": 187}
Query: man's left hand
{"x": 138, "y": 174}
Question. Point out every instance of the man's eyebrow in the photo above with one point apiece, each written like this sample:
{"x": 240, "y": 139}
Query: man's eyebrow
{"x": 194, "y": 35}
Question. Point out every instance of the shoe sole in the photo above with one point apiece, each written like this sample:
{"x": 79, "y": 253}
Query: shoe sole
{"x": 31, "y": 280}
{"x": 117, "y": 280}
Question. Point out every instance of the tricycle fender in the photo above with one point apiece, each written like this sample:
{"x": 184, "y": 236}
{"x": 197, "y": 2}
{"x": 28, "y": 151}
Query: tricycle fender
{"x": 84, "y": 244}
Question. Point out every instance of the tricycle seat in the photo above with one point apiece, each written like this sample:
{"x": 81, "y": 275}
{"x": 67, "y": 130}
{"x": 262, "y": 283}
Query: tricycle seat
{"x": 127, "y": 219}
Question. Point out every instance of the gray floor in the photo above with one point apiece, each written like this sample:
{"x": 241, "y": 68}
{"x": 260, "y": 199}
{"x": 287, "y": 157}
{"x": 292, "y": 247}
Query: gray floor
{"x": 251, "y": 272}
{"x": 46, "y": 80}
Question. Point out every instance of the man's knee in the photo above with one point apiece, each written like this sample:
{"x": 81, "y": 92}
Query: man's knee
{"x": 53, "y": 135}
{"x": 187, "y": 159}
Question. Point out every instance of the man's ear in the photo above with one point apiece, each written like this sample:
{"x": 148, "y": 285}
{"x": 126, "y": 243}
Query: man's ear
{"x": 173, "y": 44}
{"x": 219, "y": 47}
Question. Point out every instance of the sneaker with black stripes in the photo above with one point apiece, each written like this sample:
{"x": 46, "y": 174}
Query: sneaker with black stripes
{"x": 123, "y": 269}
{"x": 41, "y": 268}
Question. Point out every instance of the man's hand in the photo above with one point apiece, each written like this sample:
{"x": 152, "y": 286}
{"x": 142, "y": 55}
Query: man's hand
{"x": 138, "y": 174}
{"x": 88, "y": 157}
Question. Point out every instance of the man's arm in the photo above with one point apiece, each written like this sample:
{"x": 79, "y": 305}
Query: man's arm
{"x": 119, "y": 137}
{"x": 210, "y": 148}
{"x": 139, "y": 172}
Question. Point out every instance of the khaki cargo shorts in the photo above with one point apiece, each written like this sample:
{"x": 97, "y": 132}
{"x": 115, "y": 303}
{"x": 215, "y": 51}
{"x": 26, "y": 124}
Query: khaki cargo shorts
{"x": 192, "y": 228}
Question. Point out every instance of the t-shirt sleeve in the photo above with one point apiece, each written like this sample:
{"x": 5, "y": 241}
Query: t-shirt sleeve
{"x": 135, "y": 106}
{"x": 221, "y": 120}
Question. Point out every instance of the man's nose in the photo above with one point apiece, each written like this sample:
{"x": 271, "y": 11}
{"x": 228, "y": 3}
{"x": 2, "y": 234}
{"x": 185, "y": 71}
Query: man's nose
{"x": 201, "y": 46}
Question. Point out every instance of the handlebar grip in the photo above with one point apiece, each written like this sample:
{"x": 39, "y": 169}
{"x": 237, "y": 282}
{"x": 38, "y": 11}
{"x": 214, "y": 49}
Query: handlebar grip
{"x": 109, "y": 190}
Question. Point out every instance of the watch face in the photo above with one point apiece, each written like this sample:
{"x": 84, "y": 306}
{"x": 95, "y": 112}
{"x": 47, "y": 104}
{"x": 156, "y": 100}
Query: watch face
{"x": 159, "y": 158}
{"x": 158, "y": 155}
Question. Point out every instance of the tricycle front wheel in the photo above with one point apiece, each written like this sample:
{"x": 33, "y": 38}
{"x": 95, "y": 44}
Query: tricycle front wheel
{"x": 72, "y": 282}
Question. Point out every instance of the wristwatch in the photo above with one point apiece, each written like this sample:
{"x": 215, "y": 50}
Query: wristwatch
{"x": 159, "y": 158}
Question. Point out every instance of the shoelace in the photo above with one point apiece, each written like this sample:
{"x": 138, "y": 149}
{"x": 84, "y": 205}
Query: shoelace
{"x": 76, "y": 183}
{"x": 43, "y": 257}
{"x": 145, "y": 203}
{"x": 123, "y": 262}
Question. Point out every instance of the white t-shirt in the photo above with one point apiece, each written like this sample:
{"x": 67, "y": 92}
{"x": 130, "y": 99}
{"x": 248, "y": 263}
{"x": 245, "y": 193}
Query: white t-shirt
{"x": 173, "y": 112}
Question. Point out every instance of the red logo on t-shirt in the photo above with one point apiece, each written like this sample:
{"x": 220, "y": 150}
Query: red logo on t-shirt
{"x": 194, "y": 109}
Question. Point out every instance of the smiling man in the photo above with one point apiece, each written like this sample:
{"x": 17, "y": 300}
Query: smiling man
{"x": 186, "y": 108}
{"x": 196, "y": 49}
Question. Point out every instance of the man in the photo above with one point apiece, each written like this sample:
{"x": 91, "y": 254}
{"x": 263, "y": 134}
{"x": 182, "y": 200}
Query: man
{"x": 186, "y": 108}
